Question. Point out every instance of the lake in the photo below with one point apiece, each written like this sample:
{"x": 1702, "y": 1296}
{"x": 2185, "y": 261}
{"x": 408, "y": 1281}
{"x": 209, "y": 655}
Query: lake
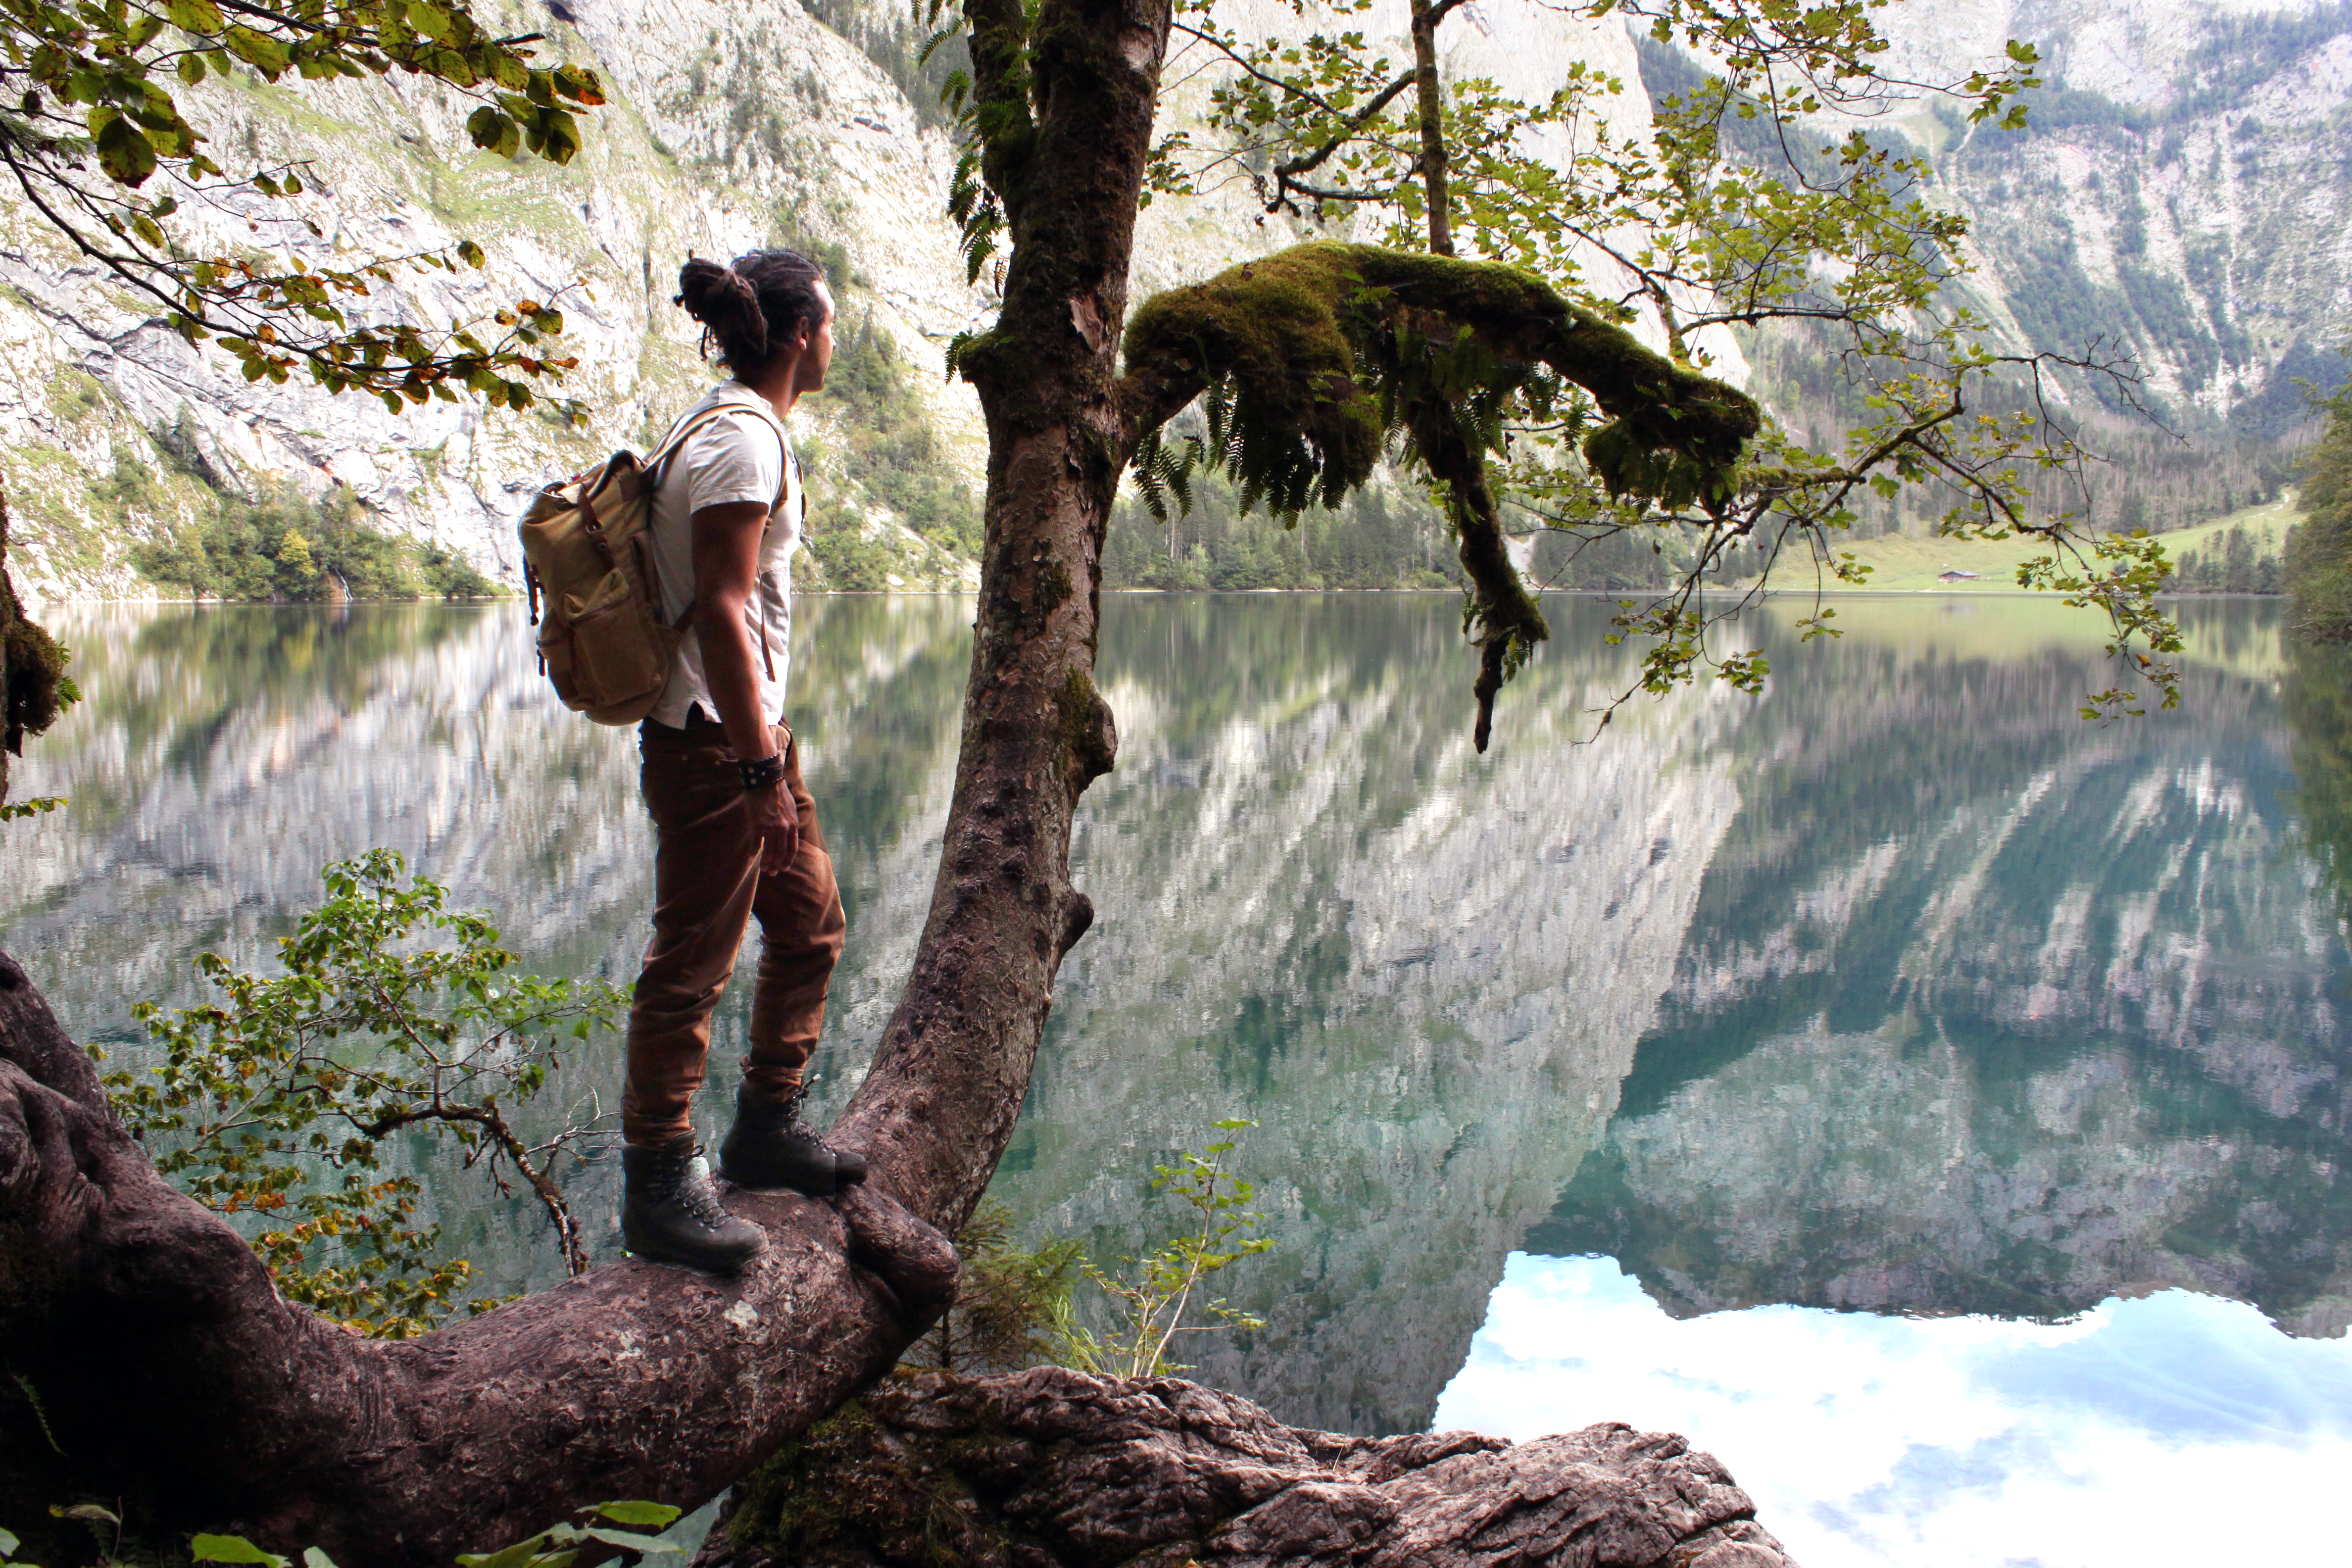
{"x": 1932, "y": 1103}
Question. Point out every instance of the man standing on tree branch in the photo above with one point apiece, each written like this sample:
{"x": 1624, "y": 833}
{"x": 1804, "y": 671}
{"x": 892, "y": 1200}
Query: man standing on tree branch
{"x": 735, "y": 832}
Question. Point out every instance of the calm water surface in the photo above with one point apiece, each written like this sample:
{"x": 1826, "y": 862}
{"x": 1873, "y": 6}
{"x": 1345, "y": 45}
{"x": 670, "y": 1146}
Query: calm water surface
{"x": 1933, "y": 1104}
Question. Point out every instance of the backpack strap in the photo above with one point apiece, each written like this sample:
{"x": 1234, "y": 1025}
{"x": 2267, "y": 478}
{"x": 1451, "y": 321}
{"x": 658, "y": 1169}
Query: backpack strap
{"x": 690, "y": 423}
{"x": 687, "y": 424}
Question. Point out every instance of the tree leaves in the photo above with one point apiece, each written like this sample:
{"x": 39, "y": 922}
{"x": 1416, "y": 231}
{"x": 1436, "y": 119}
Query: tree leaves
{"x": 124, "y": 150}
{"x": 495, "y": 131}
{"x": 263, "y": 53}
{"x": 102, "y": 125}
{"x": 1750, "y": 203}
{"x": 273, "y": 1100}
{"x": 194, "y": 15}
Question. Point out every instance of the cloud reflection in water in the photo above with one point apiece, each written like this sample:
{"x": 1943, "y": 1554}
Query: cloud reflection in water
{"x": 2170, "y": 1428}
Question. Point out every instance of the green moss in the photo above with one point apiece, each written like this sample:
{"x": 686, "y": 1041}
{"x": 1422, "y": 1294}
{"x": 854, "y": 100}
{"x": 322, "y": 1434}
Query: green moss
{"x": 36, "y": 666}
{"x": 1055, "y": 590}
{"x": 1282, "y": 332}
{"x": 1086, "y": 724}
{"x": 1323, "y": 348}
{"x": 34, "y": 685}
{"x": 838, "y": 1494}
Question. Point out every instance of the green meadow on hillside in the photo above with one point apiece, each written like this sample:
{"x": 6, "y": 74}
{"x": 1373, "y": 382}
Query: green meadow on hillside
{"x": 1911, "y": 562}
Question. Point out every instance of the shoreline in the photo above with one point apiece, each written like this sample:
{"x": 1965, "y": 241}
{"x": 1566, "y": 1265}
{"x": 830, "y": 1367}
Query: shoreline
{"x": 32, "y": 603}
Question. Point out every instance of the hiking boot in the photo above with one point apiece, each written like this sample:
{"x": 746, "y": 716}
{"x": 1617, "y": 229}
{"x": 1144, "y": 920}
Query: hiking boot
{"x": 768, "y": 1147}
{"x": 670, "y": 1211}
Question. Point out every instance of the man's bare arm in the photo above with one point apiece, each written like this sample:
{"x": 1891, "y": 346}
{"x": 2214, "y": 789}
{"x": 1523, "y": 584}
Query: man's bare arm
{"x": 726, "y": 574}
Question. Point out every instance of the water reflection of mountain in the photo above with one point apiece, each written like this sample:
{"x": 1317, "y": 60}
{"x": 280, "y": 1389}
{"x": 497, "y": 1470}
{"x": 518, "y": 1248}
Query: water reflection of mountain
{"x": 1984, "y": 1010}
{"x": 1425, "y": 972}
{"x": 1942, "y": 998}
{"x": 1422, "y": 971}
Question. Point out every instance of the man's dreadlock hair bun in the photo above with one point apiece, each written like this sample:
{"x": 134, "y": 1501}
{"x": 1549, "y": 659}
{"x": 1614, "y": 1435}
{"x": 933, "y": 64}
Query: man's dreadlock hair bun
{"x": 754, "y": 306}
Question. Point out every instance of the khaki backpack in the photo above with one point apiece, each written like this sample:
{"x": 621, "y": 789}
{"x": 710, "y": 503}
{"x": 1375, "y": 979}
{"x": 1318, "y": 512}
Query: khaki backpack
{"x": 595, "y": 593}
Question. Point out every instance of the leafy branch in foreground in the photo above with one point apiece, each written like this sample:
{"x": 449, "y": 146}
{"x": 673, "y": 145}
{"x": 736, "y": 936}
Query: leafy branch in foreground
{"x": 557, "y": 1546}
{"x": 1758, "y": 197}
{"x": 394, "y": 1015}
{"x": 103, "y": 150}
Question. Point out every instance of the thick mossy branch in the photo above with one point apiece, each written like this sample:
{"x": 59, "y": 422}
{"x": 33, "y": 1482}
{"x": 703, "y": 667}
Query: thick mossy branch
{"x": 1306, "y": 336}
{"x": 1312, "y": 362}
{"x": 34, "y": 688}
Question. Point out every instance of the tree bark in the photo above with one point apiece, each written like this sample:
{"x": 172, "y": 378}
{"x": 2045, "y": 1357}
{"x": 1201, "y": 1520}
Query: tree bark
{"x": 160, "y": 1366}
{"x": 1065, "y": 156}
{"x": 1053, "y": 1468}
{"x": 1429, "y": 105}
{"x": 167, "y": 1369}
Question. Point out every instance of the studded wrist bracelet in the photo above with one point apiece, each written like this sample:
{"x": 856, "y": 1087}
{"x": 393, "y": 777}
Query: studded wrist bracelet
{"x": 765, "y": 773}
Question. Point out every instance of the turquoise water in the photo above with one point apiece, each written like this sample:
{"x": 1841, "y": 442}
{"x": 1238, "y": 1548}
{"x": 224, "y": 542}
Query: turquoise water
{"x": 1933, "y": 1104}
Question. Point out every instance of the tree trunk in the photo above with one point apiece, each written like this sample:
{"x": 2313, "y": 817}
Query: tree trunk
{"x": 159, "y": 1364}
{"x": 1429, "y": 109}
{"x": 953, "y": 1067}
{"x": 1053, "y": 1468}
{"x": 167, "y": 1370}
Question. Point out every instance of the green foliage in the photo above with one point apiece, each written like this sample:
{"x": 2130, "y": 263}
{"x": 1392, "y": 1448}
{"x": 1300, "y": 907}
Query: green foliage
{"x": 280, "y": 1102}
{"x": 16, "y": 811}
{"x": 557, "y": 1546}
{"x": 1382, "y": 536}
{"x": 2319, "y": 552}
{"x": 1149, "y": 1297}
{"x": 98, "y": 141}
{"x": 1006, "y": 1301}
{"x": 2240, "y": 566}
{"x": 2122, "y": 576}
{"x": 1743, "y": 214}
{"x": 890, "y": 450}
{"x": 882, "y": 452}
{"x": 852, "y": 562}
{"x": 285, "y": 546}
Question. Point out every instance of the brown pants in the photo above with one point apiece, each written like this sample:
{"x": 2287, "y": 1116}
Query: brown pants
{"x": 706, "y": 886}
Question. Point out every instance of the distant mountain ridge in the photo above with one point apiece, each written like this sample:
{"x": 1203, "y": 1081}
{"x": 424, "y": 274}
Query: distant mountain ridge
{"x": 2183, "y": 189}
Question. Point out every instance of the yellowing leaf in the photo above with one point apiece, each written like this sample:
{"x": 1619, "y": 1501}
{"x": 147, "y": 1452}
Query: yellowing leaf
{"x": 431, "y": 21}
{"x": 124, "y": 150}
{"x": 263, "y": 53}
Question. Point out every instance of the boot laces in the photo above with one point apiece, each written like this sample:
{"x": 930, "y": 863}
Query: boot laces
{"x": 784, "y": 1115}
{"x": 700, "y": 1197}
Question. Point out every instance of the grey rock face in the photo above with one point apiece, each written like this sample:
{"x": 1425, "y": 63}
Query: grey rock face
{"x": 1053, "y": 1468}
{"x": 2201, "y": 224}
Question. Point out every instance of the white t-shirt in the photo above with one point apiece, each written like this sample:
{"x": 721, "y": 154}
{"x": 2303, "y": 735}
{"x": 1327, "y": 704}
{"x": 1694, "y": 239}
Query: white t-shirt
{"x": 734, "y": 458}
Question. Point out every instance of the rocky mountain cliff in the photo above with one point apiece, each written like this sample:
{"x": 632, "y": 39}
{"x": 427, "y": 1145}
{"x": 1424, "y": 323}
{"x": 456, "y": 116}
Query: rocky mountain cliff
{"x": 2183, "y": 189}
{"x": 2183, "y": 186}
